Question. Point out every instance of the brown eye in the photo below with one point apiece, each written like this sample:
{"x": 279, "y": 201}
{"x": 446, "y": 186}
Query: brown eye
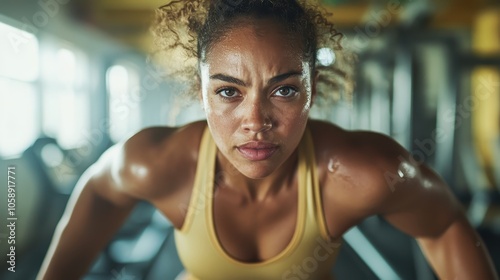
{"x": 227, "y": 92}
{"x": 286, "y": 92}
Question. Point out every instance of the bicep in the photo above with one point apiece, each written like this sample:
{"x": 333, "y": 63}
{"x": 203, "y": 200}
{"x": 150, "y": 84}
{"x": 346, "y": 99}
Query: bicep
{"x": 420, "y": 202}
{"x": 414, "y": 199}
{"x": 391, "y": 183}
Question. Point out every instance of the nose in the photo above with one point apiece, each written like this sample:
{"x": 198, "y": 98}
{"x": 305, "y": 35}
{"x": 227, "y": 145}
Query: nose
{"x": 256, "y": 118}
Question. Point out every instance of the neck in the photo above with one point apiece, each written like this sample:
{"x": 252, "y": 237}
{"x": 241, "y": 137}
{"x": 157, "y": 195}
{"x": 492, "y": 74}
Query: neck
{"x": 256, "y": 190}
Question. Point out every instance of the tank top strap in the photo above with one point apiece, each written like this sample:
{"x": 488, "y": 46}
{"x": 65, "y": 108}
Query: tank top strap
{"x": 205, "y": 170}
{"x": 314, "y": 200}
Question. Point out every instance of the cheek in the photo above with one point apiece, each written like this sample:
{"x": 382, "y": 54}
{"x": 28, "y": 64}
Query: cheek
{"x": 220, "y": 124}
{"x": 217, "y": 113}
{"x": 293, "y": 125}
{"x": 296, "y": 113}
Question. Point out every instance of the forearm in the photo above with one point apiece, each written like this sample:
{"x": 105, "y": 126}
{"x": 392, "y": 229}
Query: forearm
{"x": 459, "y": 253}
{"x": 83, "y": 231}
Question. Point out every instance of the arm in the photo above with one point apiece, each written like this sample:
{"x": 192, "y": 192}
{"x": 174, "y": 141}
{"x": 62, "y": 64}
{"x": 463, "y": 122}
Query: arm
{"x": 95, "y": 211}
{"x": 458, "y": 252}
{"x": 367, "y": 174}
{"x": 419, "y": 203}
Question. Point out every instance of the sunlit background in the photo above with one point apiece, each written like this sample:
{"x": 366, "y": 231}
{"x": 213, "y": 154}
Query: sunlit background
{"x": 74, "y": 80}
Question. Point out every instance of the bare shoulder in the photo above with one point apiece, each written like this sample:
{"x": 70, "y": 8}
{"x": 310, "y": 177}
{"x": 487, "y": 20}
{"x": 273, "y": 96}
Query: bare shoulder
{"x": 365, "y": 173}
{"x": 357, "y": 168}
{"x": 363, "y": 158}
{"x": 157, "y": 160}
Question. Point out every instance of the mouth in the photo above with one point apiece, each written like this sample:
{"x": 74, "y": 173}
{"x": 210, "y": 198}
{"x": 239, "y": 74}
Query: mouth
{"x": 256, "y": 151}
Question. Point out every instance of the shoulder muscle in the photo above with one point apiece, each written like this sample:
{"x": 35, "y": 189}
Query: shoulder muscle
{"x": 388, "y": 181}
{"x": 152, "y": 162}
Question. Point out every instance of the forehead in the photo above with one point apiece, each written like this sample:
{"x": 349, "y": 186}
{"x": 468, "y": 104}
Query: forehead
{"x": 255, "y": 44}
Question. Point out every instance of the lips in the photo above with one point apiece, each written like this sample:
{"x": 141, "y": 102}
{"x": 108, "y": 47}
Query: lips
{"x": 256, "y": 151}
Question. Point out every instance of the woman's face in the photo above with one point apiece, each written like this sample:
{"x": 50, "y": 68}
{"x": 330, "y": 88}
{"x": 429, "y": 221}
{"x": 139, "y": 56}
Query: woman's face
{"x": 257, "y": 91}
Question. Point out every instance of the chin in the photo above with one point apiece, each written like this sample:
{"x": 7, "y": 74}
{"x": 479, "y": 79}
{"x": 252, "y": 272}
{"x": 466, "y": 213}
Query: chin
{"x": 256, "y": 170}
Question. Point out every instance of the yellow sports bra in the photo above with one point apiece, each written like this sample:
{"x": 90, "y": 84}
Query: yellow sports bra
{"x": 309, "y": 255}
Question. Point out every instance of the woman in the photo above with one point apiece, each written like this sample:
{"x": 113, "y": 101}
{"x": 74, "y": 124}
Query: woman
{"x": 263, "y": 186}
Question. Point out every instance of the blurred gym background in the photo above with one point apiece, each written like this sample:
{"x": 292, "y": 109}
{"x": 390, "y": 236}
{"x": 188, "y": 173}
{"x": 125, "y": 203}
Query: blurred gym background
{"x": 74, "y": 80}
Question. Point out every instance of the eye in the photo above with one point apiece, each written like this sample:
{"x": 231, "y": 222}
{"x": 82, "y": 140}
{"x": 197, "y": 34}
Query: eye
{"x": 286, "y": 91}
{"x": 227, "y": 93}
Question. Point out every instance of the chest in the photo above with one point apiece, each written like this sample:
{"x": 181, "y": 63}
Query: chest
{"x": 253, "y": 232}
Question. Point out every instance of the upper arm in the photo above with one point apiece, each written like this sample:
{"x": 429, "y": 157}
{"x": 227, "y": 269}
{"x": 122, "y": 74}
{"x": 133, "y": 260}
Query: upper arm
{"x": 383, "y": 179}
{"x": 376, "y": 176}
{"x": 423, "y": 205}
{"x": 409, "y": 194}
{"x": 125, "y": 172}
{"x": 100, "y": 203}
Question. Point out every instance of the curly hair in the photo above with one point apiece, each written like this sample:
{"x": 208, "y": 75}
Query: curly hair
{"x": 184, "y": 32}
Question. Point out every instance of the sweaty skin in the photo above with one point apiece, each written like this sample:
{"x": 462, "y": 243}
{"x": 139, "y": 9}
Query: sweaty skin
{"x": 256, "y": 88}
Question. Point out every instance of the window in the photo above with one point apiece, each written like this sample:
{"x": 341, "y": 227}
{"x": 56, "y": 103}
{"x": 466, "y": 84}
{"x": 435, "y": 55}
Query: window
{"x": 19, "y": 57}
{"x": 66, "y": 108}
{"x": 123, "y": 87}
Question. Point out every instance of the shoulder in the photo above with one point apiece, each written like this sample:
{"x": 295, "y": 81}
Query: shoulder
{"x": 367, "y": 173}
{"x": 356, "y": 150}
{"x": 360, "y": 164}
{"x": 156, "y": 160}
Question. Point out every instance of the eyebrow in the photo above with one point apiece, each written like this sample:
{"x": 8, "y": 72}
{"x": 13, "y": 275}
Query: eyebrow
{"x": 273, "y": 80}
{"x": 229, "y": 79}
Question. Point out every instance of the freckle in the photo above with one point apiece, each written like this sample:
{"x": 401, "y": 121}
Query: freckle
{"x": 478, "y": 244}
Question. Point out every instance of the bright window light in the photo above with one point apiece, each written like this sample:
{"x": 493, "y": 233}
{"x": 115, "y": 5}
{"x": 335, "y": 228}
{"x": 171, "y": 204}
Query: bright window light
{"x": 117, "y": 81}
{"x": 66, "y": 67}
{"x": 18, "y": 115}
{"x": 66, "y": 108}
{"x": 124, "y": 105}
{"x": 18, "y": 54}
